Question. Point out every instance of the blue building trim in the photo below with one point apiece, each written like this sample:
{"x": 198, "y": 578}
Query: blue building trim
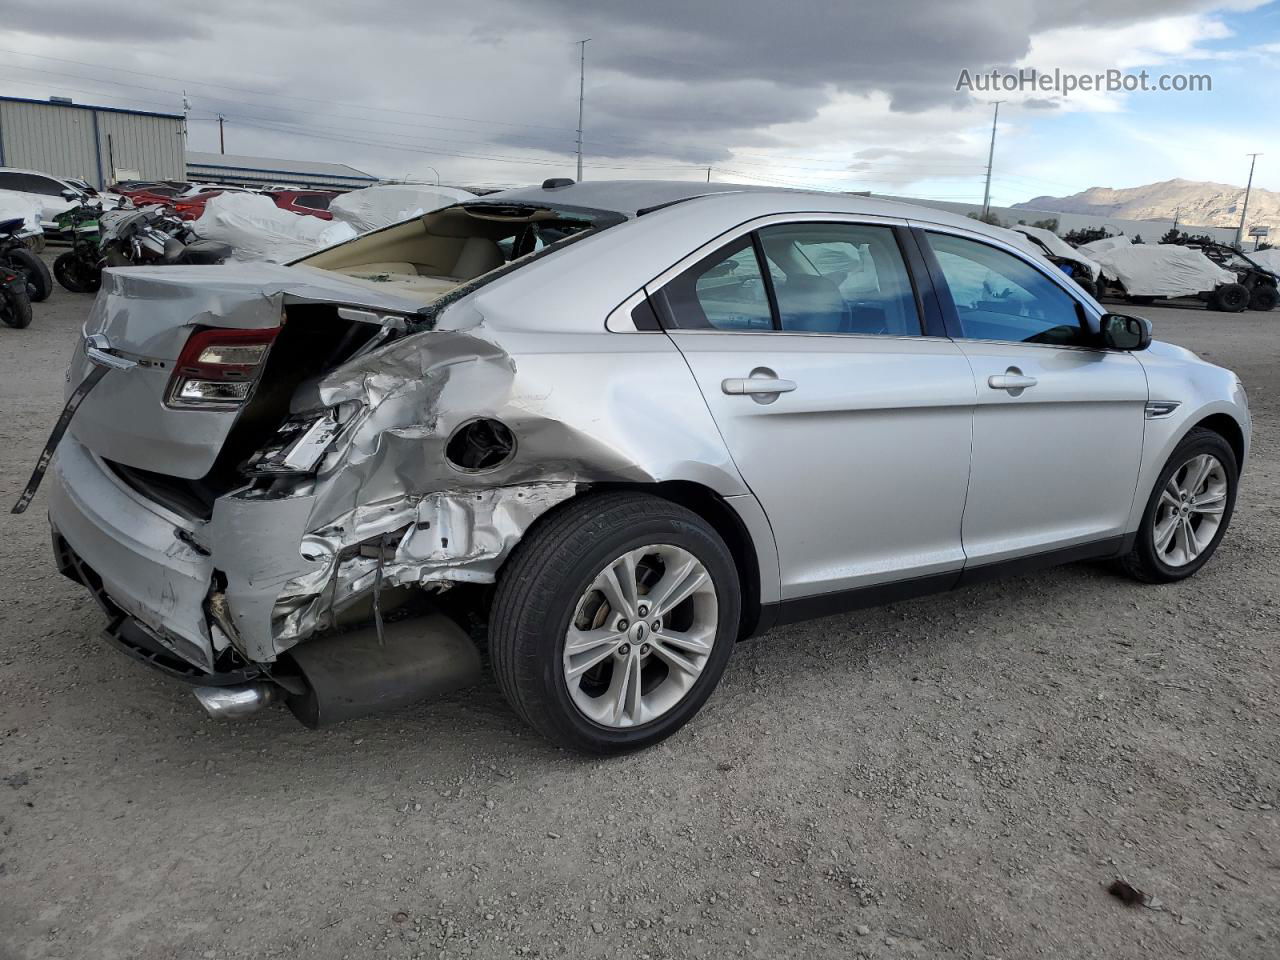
{"x": 90, "y": 106}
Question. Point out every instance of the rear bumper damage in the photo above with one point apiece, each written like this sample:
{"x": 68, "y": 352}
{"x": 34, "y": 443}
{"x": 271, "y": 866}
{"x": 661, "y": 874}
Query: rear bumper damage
{"x": 253, "y": 581}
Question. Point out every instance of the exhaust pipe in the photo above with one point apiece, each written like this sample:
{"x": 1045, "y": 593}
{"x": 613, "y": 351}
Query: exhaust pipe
{"x": 226, "y": 703}
{"x": 353, "y": 674}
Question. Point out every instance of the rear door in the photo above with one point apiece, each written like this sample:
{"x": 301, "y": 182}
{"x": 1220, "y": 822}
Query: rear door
{"x": 846, "y": 410}
{"x": 1058, "y": 426}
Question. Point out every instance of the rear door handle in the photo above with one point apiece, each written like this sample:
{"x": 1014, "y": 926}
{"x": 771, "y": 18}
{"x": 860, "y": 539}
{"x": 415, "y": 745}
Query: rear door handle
{"x": 756, "y": 386}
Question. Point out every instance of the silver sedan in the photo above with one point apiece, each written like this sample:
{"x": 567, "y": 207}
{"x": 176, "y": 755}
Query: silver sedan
{"x": 603, "y": 432}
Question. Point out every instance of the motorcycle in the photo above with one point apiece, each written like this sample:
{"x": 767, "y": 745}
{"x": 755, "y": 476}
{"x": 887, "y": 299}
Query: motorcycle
{"x": 80, "y": 268}
{"x": 15, "y": 301}
{"x": 155, "y": 235}
{"x": 18, "y": 258}
{"x": 152, "y": 236}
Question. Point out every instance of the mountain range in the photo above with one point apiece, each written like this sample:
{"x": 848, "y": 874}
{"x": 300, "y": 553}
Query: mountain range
{"x": 1195, "y": 203}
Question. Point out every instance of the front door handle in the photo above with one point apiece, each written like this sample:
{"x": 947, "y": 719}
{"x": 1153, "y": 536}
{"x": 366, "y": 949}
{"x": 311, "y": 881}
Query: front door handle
{"x": 1011, "y": 380}
{"x": 756, "y": 386}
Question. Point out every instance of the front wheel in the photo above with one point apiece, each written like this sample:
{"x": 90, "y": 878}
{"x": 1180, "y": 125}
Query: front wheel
{"x": 1188, "y": 512}
{"x": 1230, "y": 298}
{"x": 32, "y": 267}
{"x": 76, "y": 275}
{"x": 1264, "y": 298}
{"x": 15, "y": 305}
{"x": 613, "y": 622}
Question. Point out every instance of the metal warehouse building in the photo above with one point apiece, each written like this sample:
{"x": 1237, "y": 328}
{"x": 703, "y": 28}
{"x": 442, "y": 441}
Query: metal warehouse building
{"x": 264, "y": 171}
{"x": 97, "y": 144}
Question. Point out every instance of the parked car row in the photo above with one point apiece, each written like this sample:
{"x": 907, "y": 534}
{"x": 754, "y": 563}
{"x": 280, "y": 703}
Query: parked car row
{"x": 188, "y": 199}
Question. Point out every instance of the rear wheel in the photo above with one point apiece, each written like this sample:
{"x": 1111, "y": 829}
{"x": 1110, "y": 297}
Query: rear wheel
{"x": 1188, "y": 512}
{"x": 76, "y": 275}
{"x": 15, "y": 306}
{"x": 1264, "y": 298}
{"x": 39, "y": 282}
{"x": 1230, "y": 298}
{"x": 613, "y": 622}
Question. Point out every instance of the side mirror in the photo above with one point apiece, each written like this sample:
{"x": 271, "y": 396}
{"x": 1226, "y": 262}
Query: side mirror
{"x": 1122, "y": 332}
{"x": 70, "y": 194}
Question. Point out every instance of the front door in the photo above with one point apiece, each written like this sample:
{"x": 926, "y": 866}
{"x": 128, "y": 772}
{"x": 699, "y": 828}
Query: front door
{"x": 850, "y": 426}
{"x": 1058, "y": 426}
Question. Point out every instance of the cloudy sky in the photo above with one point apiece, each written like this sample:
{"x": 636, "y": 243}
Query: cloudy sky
{"x": 804, "y": 93}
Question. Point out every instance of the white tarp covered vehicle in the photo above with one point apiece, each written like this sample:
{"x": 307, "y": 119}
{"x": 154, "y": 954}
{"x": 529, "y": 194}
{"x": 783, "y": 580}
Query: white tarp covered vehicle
{"x": 383, "y": 205}
{"x": 1267, "y": 259}
{"x": 25, "y": 205}
{"x": 1143, "y": 270}
{"x": 257, "y": 229}
{"x": 1059, "y": 251}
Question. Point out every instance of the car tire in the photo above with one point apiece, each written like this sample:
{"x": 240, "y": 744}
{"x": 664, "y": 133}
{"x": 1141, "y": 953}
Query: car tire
{"x": 15, "y": 306}
{"x": 1147, "y": 561}
{"x": 1264, "y": 298}
{"x": 547, "y": 588}
{"x": 1230, "y": 298}
{"x": 75, "y": 275}
{"x": 1141, "y": 300}
{"x": 39, "y": 281}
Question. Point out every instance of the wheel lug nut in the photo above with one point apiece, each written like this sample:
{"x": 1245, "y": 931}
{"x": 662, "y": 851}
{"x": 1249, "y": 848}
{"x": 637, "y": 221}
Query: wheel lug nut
{"x": 624, "y": 650}
{"x": 623, "y": 624}
{"x": 644, "y": 649}
{"x": 643, "y": 610}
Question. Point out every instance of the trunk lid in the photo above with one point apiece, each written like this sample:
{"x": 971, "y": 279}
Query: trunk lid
{"x": 147, "y": 314}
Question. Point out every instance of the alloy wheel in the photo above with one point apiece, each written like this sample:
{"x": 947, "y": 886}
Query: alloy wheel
{"x": 1190, "y": 510}
{"x": 640, "y": 636}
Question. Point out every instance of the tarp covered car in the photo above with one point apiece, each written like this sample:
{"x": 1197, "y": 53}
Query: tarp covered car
{"x": 1075, "y": 263}
{"x": 257, "y": 229}
{"x": 1154, "y": 270}
{"x": 381, "y": 206}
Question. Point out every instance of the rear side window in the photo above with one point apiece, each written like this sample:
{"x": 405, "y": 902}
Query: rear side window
{"x": 1001, "y": 297}
{"x": 723, "y": 291}
{"x": 841, "y": 278}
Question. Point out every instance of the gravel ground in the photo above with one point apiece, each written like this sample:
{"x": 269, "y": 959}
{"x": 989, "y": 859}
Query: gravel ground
{"x": 959, "y": 776}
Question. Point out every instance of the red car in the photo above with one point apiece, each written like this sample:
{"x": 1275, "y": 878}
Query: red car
{"x": 146, "y": 192}
{"x": 313, "y": 203}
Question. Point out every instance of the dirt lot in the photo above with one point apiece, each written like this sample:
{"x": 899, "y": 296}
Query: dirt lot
{"x": 959, "y": 776}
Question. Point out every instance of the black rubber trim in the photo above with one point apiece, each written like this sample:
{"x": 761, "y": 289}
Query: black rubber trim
{"x": 845, "y": 601}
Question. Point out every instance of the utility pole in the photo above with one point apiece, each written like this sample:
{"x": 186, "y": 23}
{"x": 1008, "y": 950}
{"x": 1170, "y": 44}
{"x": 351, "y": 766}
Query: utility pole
{"x": 1245, "y": 209}
{"x": 222, "y": 141}
{"x": 582, "y": 77}
{"x": 991, "y": 156}
{"x": 708, "y": 174}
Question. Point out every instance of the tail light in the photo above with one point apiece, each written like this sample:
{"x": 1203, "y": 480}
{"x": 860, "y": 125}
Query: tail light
{"x": 218, "y": 367}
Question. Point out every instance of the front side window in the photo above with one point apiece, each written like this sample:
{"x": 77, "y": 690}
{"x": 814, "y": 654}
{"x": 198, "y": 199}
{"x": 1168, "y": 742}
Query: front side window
{"x": 1001, "y": 297}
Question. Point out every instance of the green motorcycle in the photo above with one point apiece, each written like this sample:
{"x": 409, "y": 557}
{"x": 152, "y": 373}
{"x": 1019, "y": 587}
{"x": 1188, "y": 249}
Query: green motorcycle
{"x": 80, "y": 268}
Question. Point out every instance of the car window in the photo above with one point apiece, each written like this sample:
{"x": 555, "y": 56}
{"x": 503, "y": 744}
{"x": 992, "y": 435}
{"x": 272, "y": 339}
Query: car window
{"x": 43, "y": 185}
{"x": 10, "y": 181}
{"x": 1001, "y": 297}
{"x": 841, "y": 278}
{"x": 723, "y": 291}
{"x": 313, "y": 201}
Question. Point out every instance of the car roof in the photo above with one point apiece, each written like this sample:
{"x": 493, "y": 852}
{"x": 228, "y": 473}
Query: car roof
{"x": 633, "y": 198}
{"x": 39, "y": 173}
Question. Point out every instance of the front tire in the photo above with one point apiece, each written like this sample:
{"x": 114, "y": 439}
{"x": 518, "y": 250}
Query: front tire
{"x": 38, "y": 279}
{"x": 1189, "y": 510}
{"x": 1264, "y": 298}
{"x": 1230, "y": 298}
{"x": 74, "y": 274}
{"x": 565, "y": 628}
{"x": 15, "y": 306}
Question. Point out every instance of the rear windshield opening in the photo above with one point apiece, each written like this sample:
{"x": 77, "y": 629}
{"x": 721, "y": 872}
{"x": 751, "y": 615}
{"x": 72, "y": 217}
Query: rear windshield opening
{"x": 432, "y": 254}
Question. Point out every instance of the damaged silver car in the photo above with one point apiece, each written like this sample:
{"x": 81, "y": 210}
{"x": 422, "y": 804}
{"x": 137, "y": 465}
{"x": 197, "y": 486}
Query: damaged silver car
{"x": 599, "y": 433}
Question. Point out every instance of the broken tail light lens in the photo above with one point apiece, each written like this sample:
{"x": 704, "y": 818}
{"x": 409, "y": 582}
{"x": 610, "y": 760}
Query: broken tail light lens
{"x": 218, "y": 367}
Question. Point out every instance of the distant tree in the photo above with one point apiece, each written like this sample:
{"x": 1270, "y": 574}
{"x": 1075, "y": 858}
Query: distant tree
{"x": 1173, "y": 236}
{"x": 1263, "y": 246}
{"x": 1051, "y": 224}
{"x": 1086, "y": 235}
{"x": 988, "y": 217}
{"x": 1137, "y": 238}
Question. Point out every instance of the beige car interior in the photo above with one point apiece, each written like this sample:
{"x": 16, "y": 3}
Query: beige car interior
{"x": 431, "y": 254}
